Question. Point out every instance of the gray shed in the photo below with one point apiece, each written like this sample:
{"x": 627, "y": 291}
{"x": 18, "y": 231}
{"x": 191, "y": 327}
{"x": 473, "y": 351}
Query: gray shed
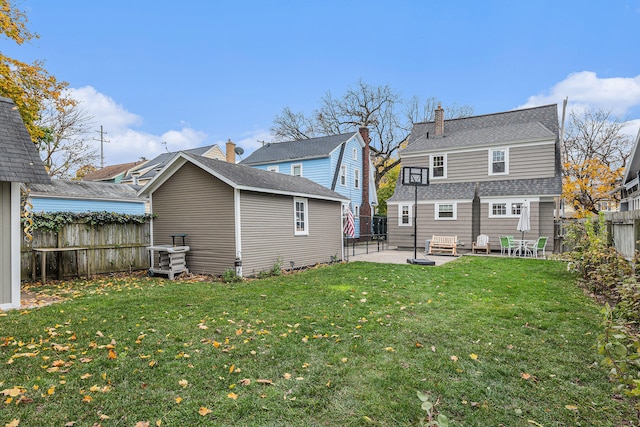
{"x": 233, "y": 212}
{"x": 19, "y": 163}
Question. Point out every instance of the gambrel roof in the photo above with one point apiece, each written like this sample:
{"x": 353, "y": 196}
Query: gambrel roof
{"x": 246, "y": 178}
{"x": 305, "y": 149}
{"x": 525, "y": 125}
{"x": 19, "y": 157}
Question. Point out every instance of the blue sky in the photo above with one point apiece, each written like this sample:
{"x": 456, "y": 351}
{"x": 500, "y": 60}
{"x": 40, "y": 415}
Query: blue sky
{"x": 194, "y": 73}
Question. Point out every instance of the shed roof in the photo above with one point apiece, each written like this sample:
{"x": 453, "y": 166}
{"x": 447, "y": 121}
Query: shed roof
{"x": 246, "y": 178}
{"x": 297, "y": 150}
{"x": 19, "y": 157}
{"x": 85, "y": 190}
{"x": 522, "y": 125}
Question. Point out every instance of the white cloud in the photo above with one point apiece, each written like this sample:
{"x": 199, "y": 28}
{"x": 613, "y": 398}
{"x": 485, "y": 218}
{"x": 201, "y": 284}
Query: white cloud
{"x": 585, "y": 90}
{"x": 125, "y": 143}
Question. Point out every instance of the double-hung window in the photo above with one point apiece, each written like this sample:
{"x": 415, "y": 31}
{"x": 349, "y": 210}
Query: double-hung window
{"x": 499, "y": 161}
{"x": 439, "y": 166}
{"x": 301, "y": 216}
{"x": 404, "y": 215}
{"x": 446, "y": 211}
{"x": 356, "y": 178}
{"x": 296, "y": 170}
{"x": 343, "y": 175}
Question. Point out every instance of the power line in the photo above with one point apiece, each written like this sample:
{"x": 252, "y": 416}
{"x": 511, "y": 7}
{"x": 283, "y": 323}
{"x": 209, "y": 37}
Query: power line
{"x": 102, "y": 141}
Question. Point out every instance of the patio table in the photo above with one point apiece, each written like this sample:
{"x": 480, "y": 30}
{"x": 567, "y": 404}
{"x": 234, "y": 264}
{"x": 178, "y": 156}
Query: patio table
{"x": 522, "y": 245}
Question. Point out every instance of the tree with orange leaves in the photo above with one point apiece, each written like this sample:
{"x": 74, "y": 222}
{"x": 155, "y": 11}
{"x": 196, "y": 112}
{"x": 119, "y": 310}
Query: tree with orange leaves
{"x": 594, "y": 155}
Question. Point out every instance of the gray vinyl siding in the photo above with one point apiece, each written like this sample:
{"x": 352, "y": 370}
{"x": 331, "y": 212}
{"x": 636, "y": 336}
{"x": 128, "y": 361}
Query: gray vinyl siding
{"x": 541, "y": 225}
{"x": 525, "y": 161}
{"x": 402, "y": 236}
{"x": 196, "y": 203}
{"x": 268, "y": 237}
{"x": 5, "y": 242}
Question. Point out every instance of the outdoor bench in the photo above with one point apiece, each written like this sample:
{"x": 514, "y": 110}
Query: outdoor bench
{"x": 443, "y": 244}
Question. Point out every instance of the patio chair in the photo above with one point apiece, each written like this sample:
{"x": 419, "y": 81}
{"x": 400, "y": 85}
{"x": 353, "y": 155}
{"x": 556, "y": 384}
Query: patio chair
{"x": 507, "y": 245}
{"x": 538, "y": 246}
{"x": 481, "y": 244}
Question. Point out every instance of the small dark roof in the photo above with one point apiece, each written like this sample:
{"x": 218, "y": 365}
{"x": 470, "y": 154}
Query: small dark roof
{"x": 523, "y": 125}
{"x": 19, "y": 157}
{"x": 110, "y": 172}
{"x": 297, "y": 150}
{"x": 466, "y": 190}
{"x": 247, "y": 178}
{"x": 85, "y": 190}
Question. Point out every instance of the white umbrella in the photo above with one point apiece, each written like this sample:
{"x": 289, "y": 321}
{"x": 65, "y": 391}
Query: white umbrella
{"x": 524, "y": 223}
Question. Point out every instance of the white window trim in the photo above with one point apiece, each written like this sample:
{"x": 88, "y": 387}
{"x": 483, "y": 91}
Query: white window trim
{"x": 355, "y": 154}
{"x": 273, "y": 168}
{"x": 343, "y": 175}
{"x": 356, "y": 211}
{"x": 509, "y": 206}
{"x": 437, "y": 211}
{"x": 431, "y": 158}
{"x": 410, "y": 207}
{"x": 295, "y": 165}
{"x": 506, "y": 161}
{"x": 357, "y": 178}
{"x": 305, "y": 202}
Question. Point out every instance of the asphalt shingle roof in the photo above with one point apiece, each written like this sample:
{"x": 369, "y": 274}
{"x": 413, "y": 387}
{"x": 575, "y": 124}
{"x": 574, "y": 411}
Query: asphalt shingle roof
{"x": 466, "y": 190}
{"x": 258, "y": 179}
{"x": 85, "y": 189}
{"x": 510, "y": 126}
{"x": 161, "y": 160}
{"x": 110, "y": 172}
{"x": 19, "y": 158}
{"x": 297, "y": 150}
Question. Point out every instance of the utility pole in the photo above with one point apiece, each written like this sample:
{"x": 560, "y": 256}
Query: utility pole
{"x": 102, "y": 141}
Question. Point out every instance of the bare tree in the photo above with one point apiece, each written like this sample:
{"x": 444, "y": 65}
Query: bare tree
{"x": 65, "y": 144}
{"x": 388, "y": 117}
{"x": 594, "y": 153}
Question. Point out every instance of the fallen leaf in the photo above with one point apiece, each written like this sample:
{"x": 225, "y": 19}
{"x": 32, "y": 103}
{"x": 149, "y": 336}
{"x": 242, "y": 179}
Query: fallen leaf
{"x": 389, "y": 349}
{"x": 85, "y": 376}
{"x": 473, "y": 356}
{"x": 142, "y": 424}
{"x": 183, "y": 383}
{"x": 51, "y": 390}
{"x": 178, "y": 399}
{"x": 13, "y": 423}
{"x": 112, "y": 354}
{"x": 204, "y": 411}
{"x": 525, "y": 376}
{"x": 571, "y": 407}
{"x": 104, "y": 417}
{"x": 87, "y": 399}
{"x": 245, "y": 381}
{"x": 418, "y": 344}
{"x": 232, "y": 395}
{"x": 86, "y": 360}
{"x": 454, "y": 358}
{"x": 232, "y": 368}
{"x": 287, "y": 376}
{"x": 13, "y": 392}
{"x": 266, "y": 382}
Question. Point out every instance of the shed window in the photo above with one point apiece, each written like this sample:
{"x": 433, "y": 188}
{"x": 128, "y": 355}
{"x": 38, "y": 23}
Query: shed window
{"x": 301, "y": 216}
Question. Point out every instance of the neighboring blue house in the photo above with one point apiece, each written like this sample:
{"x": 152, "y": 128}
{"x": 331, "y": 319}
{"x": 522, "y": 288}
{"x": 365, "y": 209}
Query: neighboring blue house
{"x": 339, "y": 162}
{"x": 86, "y": 196}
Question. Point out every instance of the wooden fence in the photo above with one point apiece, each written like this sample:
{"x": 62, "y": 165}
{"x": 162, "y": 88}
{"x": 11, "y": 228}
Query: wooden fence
{"x": 111, "y": 248}
{"x": 624, "y": 230}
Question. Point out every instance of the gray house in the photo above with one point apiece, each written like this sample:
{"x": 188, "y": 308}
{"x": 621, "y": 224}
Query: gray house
{"x": 233, "y": 212}
{"x": 19, "y": 163}
{"x": 481, "y": 170}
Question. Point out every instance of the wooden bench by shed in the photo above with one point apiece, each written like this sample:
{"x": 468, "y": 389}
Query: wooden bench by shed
{"x": 443, "y": 244}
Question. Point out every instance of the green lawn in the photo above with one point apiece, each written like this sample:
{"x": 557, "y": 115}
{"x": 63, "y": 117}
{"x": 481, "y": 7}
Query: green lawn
{"x": 494, "y": 341}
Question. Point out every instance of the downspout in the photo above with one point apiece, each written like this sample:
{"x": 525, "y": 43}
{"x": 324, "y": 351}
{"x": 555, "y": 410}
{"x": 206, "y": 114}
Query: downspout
{"x": 238, "y": 232}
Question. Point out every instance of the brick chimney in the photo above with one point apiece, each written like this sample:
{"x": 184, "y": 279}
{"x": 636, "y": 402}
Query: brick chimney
{"x": 231, "y": 152}
{"x": 439, "y": 120}
{"x": 365, "y": 208}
